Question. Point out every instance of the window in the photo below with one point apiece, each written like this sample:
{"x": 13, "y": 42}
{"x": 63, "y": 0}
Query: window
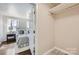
{"x": 11, "y": 24}
{"x": 27, "y": 24}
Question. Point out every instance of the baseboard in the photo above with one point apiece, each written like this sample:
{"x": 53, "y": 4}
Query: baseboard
{"x": 62, "y": 50}
{"x": 47, "y": 53}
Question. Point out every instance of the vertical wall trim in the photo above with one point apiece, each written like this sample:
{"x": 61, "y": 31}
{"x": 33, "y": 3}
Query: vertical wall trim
{"x": 36, "y": 33}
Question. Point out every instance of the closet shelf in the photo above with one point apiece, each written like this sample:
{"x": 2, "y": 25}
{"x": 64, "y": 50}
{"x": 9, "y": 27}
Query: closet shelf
{"x": 60, "y": 7}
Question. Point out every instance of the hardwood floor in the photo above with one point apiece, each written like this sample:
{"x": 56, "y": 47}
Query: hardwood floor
{"x": 27, "y": 52}
{"x": 9, "y": 49}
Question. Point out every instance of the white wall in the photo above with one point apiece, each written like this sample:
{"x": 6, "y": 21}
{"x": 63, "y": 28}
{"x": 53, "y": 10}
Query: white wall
{"x": 67, "y": 30}
{"x": 1, "y": 28}
{"x": 45, "y": 29}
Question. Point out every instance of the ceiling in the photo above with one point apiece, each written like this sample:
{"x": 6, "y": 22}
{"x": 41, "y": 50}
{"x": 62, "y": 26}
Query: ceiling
{"x": 15, "y": 9}
{"x": 51, "y": 5}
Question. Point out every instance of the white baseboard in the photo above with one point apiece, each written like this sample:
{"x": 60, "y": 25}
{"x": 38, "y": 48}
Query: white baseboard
{"x": 47, "y": 53}
{"x": 63, "y": 50}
